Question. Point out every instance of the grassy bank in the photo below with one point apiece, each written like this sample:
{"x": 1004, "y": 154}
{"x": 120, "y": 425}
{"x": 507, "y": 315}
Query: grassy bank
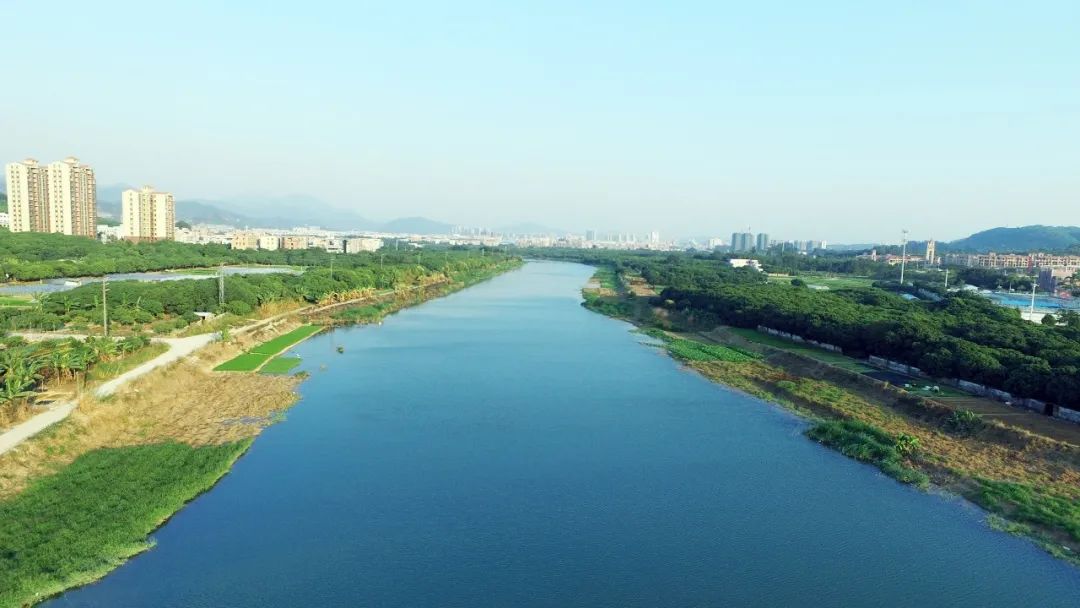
{"x": 73, "y": 527}
{"x": 1029, "y": 482}
{"x": 257, "y": 356}
{"x": 74, "y": 505}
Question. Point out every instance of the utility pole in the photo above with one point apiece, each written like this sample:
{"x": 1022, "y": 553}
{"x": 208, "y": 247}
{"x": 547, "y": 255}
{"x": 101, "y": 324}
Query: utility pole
{"x": 105, "y": 305}
{"x": 221, "y": 286}
{"x": 331, "y": 267}
{"x": 903, "y": 255}
{"x": 946, "y": 279}
{"x": 1031, "y": 312}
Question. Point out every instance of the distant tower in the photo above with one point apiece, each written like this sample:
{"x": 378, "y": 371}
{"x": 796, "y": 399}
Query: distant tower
{"x": 931, "y": 250}
{"x": 762, "y": 241}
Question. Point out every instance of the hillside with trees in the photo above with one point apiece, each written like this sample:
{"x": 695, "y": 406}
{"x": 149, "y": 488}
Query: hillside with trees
{"x": 1020, "y": 240}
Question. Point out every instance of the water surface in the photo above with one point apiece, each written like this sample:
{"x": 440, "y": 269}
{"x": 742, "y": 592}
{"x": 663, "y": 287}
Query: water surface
{"x": 505, "y": 447}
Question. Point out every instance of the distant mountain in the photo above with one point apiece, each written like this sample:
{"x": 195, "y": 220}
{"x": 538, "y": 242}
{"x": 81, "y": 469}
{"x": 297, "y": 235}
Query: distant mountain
{"x": 417, "y": 225}
{"x": 852, "y": 247}
{"x": 1020, "y": 240}
{"x": 282, "y": 211}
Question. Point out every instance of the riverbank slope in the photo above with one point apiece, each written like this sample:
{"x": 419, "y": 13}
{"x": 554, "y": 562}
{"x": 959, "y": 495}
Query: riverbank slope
{"x": 82, "y": 497}
{"x": 1028, "y": 482}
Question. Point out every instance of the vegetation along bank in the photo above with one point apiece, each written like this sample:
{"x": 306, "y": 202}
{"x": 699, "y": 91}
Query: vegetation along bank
{"x": 1022, "y": 467}
{"x": 80, "y": 498}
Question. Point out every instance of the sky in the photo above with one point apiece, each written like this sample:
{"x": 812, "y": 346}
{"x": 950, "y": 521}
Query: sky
{"x": 836, "y": 120}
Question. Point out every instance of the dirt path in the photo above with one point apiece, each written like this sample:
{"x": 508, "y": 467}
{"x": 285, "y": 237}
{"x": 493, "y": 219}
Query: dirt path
{"x": 178, "y": 349}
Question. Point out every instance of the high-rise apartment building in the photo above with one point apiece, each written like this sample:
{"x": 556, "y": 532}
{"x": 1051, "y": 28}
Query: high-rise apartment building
{"x": 762, "y": 243}
{"x": 61, "y": 197}
{"x": 27, "y": 191}
{"x": 742, "y": 241}
{"x": 72, "y": 198}
{"x": 148, "y": 215}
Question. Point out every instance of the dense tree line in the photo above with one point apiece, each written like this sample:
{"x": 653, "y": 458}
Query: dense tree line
{"x": 32, "y": 256}
{"x": 961, "y": 336}
{"x": 135, "y": 302}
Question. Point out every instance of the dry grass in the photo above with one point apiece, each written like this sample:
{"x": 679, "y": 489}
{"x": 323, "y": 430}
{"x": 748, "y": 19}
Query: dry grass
{"x": 997, "y": 452}
{"x": 185, "y": 402}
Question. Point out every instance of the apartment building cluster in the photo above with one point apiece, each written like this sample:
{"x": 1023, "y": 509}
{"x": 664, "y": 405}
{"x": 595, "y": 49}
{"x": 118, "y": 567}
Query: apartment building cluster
{"x": 1018, "y": 261}
{"x": 274, "y": 242}
{"x": 59, "y": 197}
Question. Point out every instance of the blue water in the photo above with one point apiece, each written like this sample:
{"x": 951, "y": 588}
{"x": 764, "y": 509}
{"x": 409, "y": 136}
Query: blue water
{"x": 505, "y": 447}
{"x": 1042, "y": 303}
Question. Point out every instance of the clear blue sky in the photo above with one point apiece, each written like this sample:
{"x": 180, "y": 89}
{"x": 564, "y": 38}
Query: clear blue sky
{"x": 837, "y": 120}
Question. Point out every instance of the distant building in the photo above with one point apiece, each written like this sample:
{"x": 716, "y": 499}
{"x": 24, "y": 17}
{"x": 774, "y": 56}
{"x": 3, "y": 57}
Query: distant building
{"x": 762, "y": 243}
{"x": 27, "y": 188}
{"x": 357, "y": 245}
{"x": 590, "y": 235}
{"x": 295, "y": 242}
{"x": 742, "y": 241}
{"x": 72, "y": 197}
{"x": 61, "y": 197}
{"x": 744, "y": 263}
{"x": 269, "y": 242}
{"x": 716, "y": 243}
{"x": 1050, "y": 277}
{"x": 148, "y": 215}
{"x": 244, "y": 240}
{"x": 654, "y": 238}
{"x": 1018, "y": 261}
{"x": 5, "y": 219}
{"x": 931, "y": 252}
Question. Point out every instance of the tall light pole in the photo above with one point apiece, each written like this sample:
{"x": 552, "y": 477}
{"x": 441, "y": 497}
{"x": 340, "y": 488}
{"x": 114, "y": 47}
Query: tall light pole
{"x": 903, "y": 255}
{"x": 1031, "y": 312}
{"x": 105, "y": 305}
{"x": 221, "y": 286}
{"x": 946, "y": 279}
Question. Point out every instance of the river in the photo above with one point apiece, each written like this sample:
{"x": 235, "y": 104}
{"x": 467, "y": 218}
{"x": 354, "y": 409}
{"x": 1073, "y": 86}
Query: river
{"x": 505, "y": 447}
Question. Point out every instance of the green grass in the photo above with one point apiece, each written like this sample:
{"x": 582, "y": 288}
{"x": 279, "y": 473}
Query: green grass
{"x": 251, "y": 360}
{"x": 612, "y": 306}
{"x": 1024, "y": 503}
{"x": 12, "y": 301}
{"x": 280, "y": 365}
{"x": 867, "y": 443}
{"x": 247, "y": 362}
{"x": 607, "y": 279}
{"x": 363, "y": 314}
{"x": 73, "y": 527}
{"x": 825, "y": 356}
{"x": 834, "y": 282}
{"x": 692, "y": 350}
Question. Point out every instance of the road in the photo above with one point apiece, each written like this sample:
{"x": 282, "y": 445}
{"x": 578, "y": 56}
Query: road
{"x": 178, "y": 349}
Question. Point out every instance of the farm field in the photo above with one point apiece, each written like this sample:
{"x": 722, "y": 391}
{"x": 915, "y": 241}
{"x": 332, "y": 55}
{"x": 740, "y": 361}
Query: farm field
{"x": 257, "y": 356}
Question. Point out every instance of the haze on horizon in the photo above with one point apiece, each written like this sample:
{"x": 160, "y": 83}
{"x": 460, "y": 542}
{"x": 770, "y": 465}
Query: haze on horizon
{"x": 830, "y": 120}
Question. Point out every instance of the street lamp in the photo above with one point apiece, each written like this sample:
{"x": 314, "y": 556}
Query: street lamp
{"x": 903, "y": 255}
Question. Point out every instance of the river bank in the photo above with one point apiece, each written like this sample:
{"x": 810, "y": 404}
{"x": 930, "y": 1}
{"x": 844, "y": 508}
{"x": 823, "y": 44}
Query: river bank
{"x": 81, "y": 498}
{"x": 1028, "y": 483}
